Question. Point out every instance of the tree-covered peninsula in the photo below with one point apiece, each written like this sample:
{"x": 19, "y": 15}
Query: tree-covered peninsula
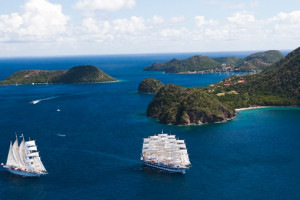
{"x": 203, "y": 64}
{"x": 279, "y": 85}
{"x": 150, "y": 86}
{"x": 78, "y": 74}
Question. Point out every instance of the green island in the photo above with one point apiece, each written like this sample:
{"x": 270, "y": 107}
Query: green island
{"x": 279, "y": 85}
{"x": 202, "y": 64}
{"x": 150, "y": 86}
{"x": 78, "y": 74}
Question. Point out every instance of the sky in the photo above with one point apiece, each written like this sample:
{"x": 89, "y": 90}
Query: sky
{"x": 100, "y": 27}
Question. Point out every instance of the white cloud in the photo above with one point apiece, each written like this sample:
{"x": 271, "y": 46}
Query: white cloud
{"x": 94, "y": 30}
{"x": 92, "y": 26}
{"x": 200, "y": 21}
{"x": 173, "y": 33}
{"x": 132, "y": 25}
{"x": 177, "y": 19}
{"x": 40, "y": 20}
{"x": 285, "y": 25}
{"x": 232, "y": 5}
{"x": 108, "y": 5}
{"x": 292, "y": 17}
{"x": 157, "y": 19}
{"x": 242, "y": 18}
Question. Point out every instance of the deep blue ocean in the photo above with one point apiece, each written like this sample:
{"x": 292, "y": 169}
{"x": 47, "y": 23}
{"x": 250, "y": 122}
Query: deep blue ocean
{"x": 92, "y": 148}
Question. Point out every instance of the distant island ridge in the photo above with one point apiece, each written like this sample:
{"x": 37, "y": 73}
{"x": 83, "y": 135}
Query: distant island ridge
{"x": 255, "y": 62}
{"x": 278, "y": 85}
{"x": 78, "y": 74}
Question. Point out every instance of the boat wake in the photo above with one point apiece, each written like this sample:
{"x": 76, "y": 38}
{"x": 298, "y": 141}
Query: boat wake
{"x": 113, "y": 156}
{"x": 39, "y": 100}
{"x": 108, "y": 155}
{"x": 61, "y": 135}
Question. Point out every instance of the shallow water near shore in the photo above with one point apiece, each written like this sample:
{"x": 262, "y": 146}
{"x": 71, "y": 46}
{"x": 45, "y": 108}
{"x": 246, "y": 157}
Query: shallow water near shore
{"x": 92, "y": 147}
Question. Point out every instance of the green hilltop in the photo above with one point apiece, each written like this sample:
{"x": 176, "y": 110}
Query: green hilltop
{"x": 279, "y": 85}
{"x": 150, "y": 86}
{"x": 78, "y": 74}
{"x": 259, "y": 61}
{"x": 174, "y": 104}
{"x": 203, "y": 64}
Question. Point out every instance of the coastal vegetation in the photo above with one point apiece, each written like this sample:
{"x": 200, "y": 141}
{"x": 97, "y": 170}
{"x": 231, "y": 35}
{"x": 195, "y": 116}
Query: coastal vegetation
{"x": 278, "y": 85}
{"x": 150, "y": 86}
{"x": 174, "y": 104}
{"x": 203, "y": 64}
{"x": 78, "y": 74}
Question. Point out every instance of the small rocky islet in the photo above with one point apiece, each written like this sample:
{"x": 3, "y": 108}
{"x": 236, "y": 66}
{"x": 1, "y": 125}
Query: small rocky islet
{"x": 150, "y": 86}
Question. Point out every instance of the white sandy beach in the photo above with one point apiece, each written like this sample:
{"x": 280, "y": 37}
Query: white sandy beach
{"x": 252, "y": 107}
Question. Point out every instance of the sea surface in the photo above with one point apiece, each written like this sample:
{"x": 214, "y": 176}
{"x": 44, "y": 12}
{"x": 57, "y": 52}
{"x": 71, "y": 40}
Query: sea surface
{"x": 92, "y": 147}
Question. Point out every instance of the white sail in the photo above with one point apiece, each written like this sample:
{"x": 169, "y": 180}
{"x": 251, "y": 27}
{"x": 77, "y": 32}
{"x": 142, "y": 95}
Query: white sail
{"x": 186, "y": 159}
{"x": 33, "y": 154}
{"x": 15, "y": 152}
{"x": 165, "y": 149}
{"x": 162, "y": 135}
{"x": 24, "y": 159}
{"x": 146, "y": 140}
{"x": 29, "y": 161}
{"x": 10, "y": 158}
{"x": 180, "y": 141}
{"x": 181, "y": 146}
{"x": 38, "y": 165}
{"x": 33, "y": 159}
{"x": 22, "y": 153}
{"x": 32, "y": 148}
{"x": 30, "y": 143}
{"x": 171, "y": 140}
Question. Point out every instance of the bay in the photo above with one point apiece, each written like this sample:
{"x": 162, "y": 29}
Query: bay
{"x": 92, "y": 147}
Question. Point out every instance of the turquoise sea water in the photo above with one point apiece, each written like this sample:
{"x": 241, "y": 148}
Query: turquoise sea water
{"x": 92, "y": 148}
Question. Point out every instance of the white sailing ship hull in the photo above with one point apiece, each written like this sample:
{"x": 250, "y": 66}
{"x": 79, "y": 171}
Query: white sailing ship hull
{"x": 24, "y": 173}
{"x": 165, "y": 168}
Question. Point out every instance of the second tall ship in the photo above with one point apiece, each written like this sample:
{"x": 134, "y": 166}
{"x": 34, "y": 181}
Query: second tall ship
{"x": 165, "y": 152}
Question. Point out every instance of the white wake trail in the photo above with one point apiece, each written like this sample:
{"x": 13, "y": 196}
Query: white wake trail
{"x": 39, "y": 100}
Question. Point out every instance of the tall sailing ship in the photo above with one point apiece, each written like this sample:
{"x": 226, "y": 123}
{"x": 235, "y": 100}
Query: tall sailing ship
{"x": 165, "y": 152}
{"x": 24, "y": 160}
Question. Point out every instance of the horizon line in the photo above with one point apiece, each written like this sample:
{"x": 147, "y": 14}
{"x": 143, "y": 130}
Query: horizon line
{"x": 141, "y": 54}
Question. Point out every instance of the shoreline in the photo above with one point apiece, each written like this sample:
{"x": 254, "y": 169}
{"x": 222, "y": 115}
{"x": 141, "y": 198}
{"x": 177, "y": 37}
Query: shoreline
{"x": 259, "y": 107}
{"x": 253, "y": 107}
{"x": 229, "y": 119}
